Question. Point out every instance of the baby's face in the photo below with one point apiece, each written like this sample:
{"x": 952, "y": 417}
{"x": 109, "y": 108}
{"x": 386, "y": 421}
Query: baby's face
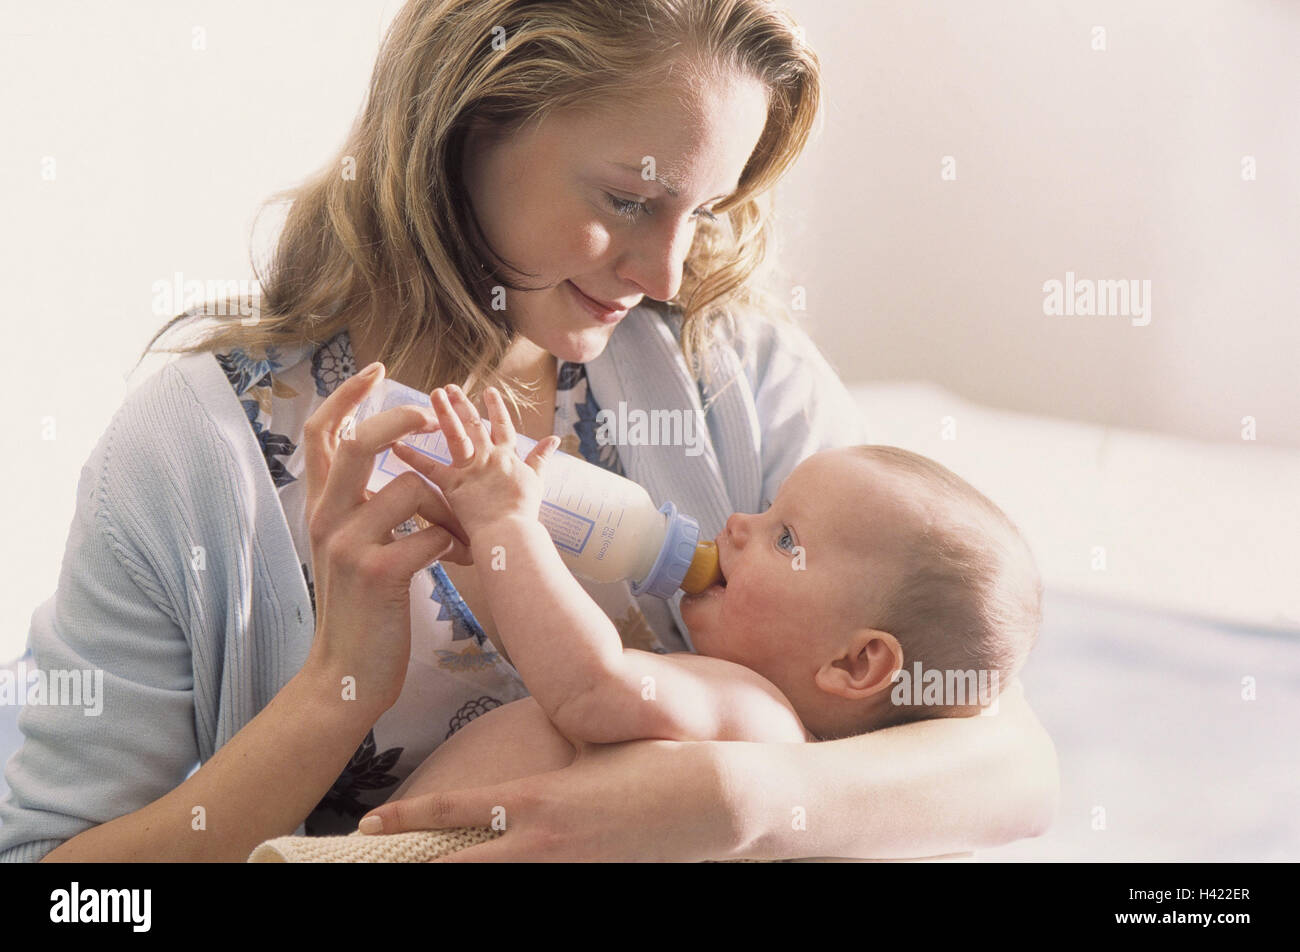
{"x": 806, "y": 571}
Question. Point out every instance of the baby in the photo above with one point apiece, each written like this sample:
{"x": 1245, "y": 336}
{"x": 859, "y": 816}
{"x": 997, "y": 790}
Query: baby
{"x": 878, "y": 588}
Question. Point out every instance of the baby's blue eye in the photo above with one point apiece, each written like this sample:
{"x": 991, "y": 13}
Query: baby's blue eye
{"x": 634, "y": 210}
{"x": 786, "y": 534}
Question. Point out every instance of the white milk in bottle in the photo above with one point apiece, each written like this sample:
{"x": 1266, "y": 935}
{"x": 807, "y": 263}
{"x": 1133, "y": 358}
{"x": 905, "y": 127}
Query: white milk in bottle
{"x": 605, "y": 526}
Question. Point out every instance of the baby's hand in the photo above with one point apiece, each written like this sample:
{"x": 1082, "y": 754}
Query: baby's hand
{"x": 487, "y": 480}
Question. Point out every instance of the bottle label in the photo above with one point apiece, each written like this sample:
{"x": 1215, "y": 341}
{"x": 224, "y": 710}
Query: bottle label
{"x": 569, "y": 530}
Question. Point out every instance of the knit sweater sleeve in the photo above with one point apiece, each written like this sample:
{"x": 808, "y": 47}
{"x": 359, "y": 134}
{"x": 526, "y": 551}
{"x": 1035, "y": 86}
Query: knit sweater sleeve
{"x": 121, "y": 612}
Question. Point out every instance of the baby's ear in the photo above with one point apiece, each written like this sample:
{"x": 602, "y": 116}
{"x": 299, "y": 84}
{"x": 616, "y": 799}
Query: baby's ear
{"x": 865, "y": 666}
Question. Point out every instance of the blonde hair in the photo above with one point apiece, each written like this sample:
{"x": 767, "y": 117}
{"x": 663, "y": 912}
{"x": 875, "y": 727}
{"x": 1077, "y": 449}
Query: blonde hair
{"x": 399, "y": 245}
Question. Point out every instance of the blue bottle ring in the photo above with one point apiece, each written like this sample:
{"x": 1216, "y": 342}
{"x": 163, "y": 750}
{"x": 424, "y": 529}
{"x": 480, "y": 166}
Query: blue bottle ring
{"x": 674, "y": 557}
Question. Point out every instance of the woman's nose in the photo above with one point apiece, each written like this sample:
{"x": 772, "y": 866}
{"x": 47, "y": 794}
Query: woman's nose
{"x": 656, "y": 261}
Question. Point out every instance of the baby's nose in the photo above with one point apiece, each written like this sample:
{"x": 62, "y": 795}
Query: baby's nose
{"x": 737, "y": 528}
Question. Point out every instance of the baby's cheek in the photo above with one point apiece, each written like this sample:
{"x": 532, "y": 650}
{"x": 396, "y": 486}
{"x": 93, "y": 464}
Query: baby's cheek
{"x": 746, "y": 607}
{"x": 763, "y": 611}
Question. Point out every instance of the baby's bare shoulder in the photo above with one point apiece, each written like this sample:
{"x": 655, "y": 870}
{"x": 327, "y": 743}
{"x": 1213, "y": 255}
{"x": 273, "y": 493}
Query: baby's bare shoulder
{"x": 754, "y": 709}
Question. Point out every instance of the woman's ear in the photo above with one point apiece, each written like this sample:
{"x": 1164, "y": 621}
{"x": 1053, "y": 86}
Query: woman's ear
{"x": 865, "y": 665}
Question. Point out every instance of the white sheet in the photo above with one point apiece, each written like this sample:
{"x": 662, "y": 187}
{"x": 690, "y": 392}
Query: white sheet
{"x": 1203, "y": 528}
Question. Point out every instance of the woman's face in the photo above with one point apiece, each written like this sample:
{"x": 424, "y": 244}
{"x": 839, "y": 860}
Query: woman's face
{"x": 549, "y": 202}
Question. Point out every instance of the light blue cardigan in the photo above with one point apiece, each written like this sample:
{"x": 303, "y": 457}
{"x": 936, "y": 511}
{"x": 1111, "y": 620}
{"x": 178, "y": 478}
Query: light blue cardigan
{"x": 192, "y": 655}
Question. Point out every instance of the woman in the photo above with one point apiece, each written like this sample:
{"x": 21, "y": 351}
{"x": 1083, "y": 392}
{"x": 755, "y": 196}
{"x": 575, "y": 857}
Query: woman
{"x": 258, "y": 612}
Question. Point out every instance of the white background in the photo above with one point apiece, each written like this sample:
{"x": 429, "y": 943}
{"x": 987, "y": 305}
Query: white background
{"x": 1115, "y": 164}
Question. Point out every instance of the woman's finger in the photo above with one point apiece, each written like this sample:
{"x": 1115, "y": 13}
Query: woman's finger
{"x": 459, "y": 446}
{"x": 440, "y": 811}
{"x": 354, "y": 458}
{"x": 501, "y": 849}
{"x": 321, "y": 431}
{"x": 417, "y": 551}
{"x": 438, "y": 473}
{"x": 503, "y": 431}
{"x": 395, "y": 503}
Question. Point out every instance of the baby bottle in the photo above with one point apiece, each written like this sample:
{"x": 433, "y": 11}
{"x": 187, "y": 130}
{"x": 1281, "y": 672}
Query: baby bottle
{"x": 605, "y": 527}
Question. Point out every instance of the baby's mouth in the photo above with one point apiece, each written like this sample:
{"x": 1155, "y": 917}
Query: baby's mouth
{"x": 714, "y": 589}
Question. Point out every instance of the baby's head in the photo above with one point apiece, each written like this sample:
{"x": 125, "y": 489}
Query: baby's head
{"x": 871, "y": 561}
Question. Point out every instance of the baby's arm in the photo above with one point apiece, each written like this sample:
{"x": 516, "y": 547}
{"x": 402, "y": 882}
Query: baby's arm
{"x": 566, "y": 649}
{"x": 591, "y": 687}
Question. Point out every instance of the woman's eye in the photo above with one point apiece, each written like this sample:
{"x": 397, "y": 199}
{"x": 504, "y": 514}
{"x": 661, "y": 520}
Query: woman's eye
{"x": 634, "y": 210}
{"x": 630, "y": 210}
{"x": 785, "y": 536}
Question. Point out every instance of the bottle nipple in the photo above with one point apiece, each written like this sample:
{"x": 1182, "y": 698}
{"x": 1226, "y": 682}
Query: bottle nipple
{"x": 704, "y": 570}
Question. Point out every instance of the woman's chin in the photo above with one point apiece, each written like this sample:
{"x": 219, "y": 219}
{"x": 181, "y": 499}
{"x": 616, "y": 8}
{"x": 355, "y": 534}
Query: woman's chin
{"x": 574, "y": 348}
{"x": 584, "y": 346}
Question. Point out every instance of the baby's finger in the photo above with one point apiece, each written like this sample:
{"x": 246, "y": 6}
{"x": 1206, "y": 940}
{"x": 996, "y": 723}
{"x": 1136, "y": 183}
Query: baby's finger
{"x": 469, "y": 415}
{"x": 459, "y": 445}
{"x": 503, "y": 431}
{"x": 543, "y": 451}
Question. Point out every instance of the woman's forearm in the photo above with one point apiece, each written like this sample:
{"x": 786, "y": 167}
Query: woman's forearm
{"x": 260, "y": 785}
{"x": 923, "y": 789}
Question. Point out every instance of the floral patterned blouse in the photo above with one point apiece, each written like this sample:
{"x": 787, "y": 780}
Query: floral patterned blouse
{"x": 455, "y": 673}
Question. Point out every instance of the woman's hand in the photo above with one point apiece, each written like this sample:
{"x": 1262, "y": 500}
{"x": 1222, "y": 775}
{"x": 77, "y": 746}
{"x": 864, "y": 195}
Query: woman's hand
{"x": 925, "y": 789}
{"x": 362, "y": 574}
{"x": 650, "y": 800}
{"x": 487, "y": 480}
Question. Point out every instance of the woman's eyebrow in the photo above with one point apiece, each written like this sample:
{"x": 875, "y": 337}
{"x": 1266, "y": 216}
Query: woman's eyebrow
{"x": 668, "y": 182}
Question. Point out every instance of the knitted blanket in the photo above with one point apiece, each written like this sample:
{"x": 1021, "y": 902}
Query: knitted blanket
{"x": 419, "y": 846}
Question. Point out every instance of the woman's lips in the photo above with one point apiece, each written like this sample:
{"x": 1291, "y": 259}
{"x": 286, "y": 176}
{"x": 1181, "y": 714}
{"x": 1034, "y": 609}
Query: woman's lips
{"x": 597, "y": 310}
